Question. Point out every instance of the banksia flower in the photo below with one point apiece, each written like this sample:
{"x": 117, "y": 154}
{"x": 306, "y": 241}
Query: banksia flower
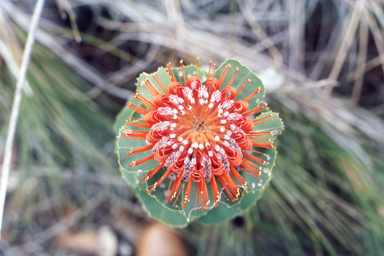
{"x": 201, "y": 132}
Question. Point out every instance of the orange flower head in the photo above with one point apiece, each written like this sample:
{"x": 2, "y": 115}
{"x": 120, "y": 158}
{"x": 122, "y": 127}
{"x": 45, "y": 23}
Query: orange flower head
{"x": 200, "y": 135}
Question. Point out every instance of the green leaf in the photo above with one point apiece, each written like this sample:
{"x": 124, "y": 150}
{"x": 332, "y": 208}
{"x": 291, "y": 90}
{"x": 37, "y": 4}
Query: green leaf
{"x": 125, "y": 145}
{"x": 275, "y": 125}
{"x": 121, "y": 117}
{"x": 141, "y": 84}
{"x": 243, "y": 74}
{"x": 225, "y": 211}
{"x": 156, "y": 210}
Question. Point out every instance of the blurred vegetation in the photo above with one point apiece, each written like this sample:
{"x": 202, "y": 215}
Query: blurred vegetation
{"x": 327, "y": 192}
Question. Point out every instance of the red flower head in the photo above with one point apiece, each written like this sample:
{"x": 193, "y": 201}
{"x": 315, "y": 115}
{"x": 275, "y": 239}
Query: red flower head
{"x": 200, "y": 135}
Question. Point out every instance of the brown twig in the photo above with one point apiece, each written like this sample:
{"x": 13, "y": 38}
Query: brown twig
{"x": 345, "y": 44}
{"x": 360, "y": 61}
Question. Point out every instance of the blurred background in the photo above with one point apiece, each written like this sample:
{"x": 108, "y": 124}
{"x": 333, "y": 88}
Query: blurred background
{"x": 322, "y": 62}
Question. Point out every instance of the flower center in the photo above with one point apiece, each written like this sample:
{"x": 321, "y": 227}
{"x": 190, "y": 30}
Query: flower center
{"x": 199, "y": 126}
